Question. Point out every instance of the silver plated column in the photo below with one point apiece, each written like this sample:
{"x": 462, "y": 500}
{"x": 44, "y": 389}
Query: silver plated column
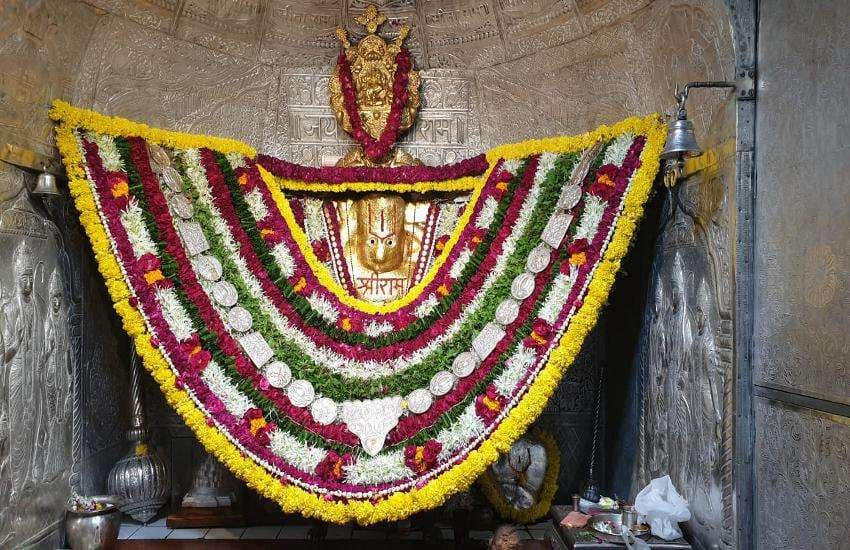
{"x": 140, "y": 479}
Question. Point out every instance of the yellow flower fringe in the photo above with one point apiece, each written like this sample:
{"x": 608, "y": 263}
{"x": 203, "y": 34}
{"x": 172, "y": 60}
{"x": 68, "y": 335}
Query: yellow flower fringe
{"x": 289, "y": 497}
{"x": 505, "y": 510}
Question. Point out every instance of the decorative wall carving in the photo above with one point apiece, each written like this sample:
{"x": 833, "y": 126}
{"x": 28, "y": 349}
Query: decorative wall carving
{"x": 41, "y": 44}
{"x": 801, "y": 272}
{"x": 803, "y": 473}
{"x": 803, "y": 255}
{"x": 35, "y": 374}
{"x": 685, "y": 363}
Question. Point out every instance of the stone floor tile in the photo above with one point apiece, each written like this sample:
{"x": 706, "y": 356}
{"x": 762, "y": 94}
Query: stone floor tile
{"x": 294, "y": 532}
{"x": 226, "y": 533}
{"x": 148, "y": 532}
{"x": 263, "y": 532}
{"x": 126, "y": 530}
{"x": 187, "y": 534}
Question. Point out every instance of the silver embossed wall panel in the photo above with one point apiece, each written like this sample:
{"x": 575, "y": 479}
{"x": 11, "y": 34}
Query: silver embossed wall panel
{"x": 803, "y": 478}
{"x": 802, "y": 261}
{"x": 685, "y": 354}
{"x": 802, "y": 234}
{"x": 36, "y": 393}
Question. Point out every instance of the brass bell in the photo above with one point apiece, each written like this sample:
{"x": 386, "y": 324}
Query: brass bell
{"x": 681, "y": 141}
{"x": 46, "y": 185}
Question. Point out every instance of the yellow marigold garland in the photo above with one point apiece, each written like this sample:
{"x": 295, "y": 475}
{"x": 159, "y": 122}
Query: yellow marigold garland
{"x": 292, "y": 498}
{"x": 547, "y": 490}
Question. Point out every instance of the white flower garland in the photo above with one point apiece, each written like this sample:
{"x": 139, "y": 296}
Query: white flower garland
{"x": 460, "y": 263}
{"x": 236, "y": 160}
{"x": 236, "y": 402}
{"x": 174, "y": 314}
{"x": 295, "y": 452}
{"x": 453, "y": 437}
{"x": 284, "y": 259}
{"x": 515, "y": 368}
{"x": 384, "y": 468}
{"x": 426, "y": 306}
{"x": 256, "y": 204}
{"x": 108, "y": 151}
{"x": 375, "y": 329}
{"x": 323, "y": 307}
{"x": 314, "y": 219}
{"x": 594, "y": 209}
{"x": 557, "y": 296}
{"x": 616, "y": 152}
{"x": 487, "y": 213}
{"x": 140, "y": 239}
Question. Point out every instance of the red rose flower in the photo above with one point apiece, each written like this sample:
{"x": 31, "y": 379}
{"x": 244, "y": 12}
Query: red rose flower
{"x": 321, "y": 249}
{"x": 270, "y": 232}
{"x": 478, "y": 236}
{"x": 255, "y": 423}
{"x": 605, "y": 186}
{"x": 540, "y": 332}
{"x": 446, "y": 287}
{"x": 119, "y": 189}
{"x": 440, "y": 244}
{"x": 489, "y": 404}
{"x": 152, "y": 272}
{"x": 349, "y": 324}
{"x": 198, "y": 357}
{"x": 421, "y": 458}
{"x": 331, "y": 468}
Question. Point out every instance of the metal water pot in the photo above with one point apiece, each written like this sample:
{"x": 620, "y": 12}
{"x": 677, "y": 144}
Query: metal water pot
{"x": 93, "y": 530}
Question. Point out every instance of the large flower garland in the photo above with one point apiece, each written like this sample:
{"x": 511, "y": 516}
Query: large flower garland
{"x": 331, "y": 407}
{"x": 376, "y": 148}
{"x": 543, "y": 502}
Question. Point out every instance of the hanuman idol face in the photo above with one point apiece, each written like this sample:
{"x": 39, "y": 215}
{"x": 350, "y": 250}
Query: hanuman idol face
{"x": 382, "y": 240}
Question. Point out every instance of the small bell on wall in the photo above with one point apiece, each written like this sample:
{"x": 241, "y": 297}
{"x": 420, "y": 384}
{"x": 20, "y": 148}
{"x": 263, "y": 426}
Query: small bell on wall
{"x": 681, "y": 141}
{"x": 45, "y": 184}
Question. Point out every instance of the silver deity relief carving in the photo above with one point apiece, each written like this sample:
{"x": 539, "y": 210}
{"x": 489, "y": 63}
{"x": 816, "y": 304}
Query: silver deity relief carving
{"x": 35, "y": 373}
{"x": 686, "y": 427}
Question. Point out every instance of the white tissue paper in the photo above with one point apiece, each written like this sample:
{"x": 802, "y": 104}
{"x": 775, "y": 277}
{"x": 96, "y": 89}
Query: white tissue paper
{"x": 663, "y": 507}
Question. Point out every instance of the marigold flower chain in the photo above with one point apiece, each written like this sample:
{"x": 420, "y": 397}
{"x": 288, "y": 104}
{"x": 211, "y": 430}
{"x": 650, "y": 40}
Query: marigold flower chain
{"x": 245, "y": 412}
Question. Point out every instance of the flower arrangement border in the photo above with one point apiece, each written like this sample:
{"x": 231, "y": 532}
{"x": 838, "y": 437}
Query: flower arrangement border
{"x": 458, "y": 177}
{"x": 547, "y": 490}
{"x": 292, "y": 498}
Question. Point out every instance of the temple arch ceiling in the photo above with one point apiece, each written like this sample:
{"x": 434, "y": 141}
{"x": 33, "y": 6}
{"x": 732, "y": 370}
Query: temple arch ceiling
{"x": 493, "y": 71}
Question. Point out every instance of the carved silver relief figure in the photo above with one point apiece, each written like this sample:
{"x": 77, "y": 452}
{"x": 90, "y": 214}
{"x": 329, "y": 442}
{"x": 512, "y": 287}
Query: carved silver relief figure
{"x": 56, "y": 376}
{"x": 19, "y": 355}
{"x": 35, "y": 379}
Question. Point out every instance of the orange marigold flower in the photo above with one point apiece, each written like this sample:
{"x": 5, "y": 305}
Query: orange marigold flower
{"x": 120, "y": 189}
{"x": 153, "y": 277}
{"x": 257, "y": 424}
{"x": 578, "y": 259}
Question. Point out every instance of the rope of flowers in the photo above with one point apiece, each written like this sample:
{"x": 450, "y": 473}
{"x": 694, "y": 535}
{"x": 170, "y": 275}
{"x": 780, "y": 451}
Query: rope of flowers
{"x": 506, "y": 510}
{"x": 376, "y": 148}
